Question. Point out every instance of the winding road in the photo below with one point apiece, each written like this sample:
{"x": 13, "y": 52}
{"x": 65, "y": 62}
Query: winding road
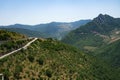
{"x": 24, "y": 47}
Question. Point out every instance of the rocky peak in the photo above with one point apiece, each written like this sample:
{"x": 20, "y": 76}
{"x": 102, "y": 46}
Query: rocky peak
{"x": 102, "y": 19}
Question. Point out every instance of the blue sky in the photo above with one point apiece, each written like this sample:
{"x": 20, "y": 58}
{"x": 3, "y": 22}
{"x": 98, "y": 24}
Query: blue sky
{"x": 43, "y": 11}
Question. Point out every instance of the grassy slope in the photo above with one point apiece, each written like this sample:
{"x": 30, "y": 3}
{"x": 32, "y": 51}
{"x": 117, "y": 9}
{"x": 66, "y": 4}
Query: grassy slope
{"x": 48, "y": 59}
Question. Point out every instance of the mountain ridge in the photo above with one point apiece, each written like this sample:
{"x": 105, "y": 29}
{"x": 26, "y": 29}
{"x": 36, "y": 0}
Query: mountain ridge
{"x": 95, "y": 33}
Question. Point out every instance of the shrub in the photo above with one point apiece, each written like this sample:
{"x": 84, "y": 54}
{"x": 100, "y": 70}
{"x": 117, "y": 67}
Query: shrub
{"x": 33, "y": 79}
{"x": 6, "y": 74}
{"x": 31, "y": 58}
{"x": 40, "y": 61}
{"x": 18, "y": 69}
{"x": 40, "y": 78}
{"x": 48, "y": 73}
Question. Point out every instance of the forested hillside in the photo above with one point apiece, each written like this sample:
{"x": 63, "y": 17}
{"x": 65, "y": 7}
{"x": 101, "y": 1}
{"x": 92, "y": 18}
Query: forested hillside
{"x": 51, "y": 59}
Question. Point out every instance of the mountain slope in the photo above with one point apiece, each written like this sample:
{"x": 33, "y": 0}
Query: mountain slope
{"x": 100, "y": 31}
{"x": 110, "y": 53}
{"x": 50, "y": 59}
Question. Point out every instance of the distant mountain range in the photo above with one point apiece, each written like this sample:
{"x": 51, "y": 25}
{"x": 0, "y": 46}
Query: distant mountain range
{"x": 102, "y": 30}
{"x": 54, "y": 29}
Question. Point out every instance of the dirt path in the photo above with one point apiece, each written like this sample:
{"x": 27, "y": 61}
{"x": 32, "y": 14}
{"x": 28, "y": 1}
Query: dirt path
{"x": 24, "y": 47}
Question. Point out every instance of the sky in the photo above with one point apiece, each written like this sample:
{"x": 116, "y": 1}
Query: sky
{"x": 44, "y": 11}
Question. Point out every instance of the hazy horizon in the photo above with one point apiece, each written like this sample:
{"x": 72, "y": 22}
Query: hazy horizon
{"x": 34, "y": 12}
